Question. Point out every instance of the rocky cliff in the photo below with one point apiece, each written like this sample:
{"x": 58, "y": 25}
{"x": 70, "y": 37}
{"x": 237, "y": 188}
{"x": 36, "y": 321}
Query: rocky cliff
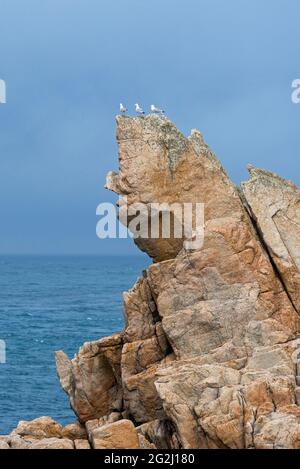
{"x": 209, "y": 354}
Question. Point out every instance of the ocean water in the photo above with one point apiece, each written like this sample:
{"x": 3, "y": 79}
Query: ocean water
{"x": 49, "y": 304}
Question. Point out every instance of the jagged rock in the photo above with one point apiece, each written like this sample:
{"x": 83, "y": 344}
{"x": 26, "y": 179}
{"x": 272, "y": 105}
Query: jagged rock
{"x": 52, "y": 443}
{"x": 4, "y": 445}
{"x": 275, "y": 206}
{"x": 158, "y": 433}
{"x": 278, "y": 431}
{"x": 219, "y": 304}
{"x": 144, "y": 443}
{"x": 90, "y": 425}
{"x": 209, "y": 355}
{"x": 42, "y": 427}
{"x": 42, "y": 433}
{"x": 82, "y": 444}
{"x": 118, "y": 435}
{"x": 157, "y": 148}
{"x": 74, "y": 431}
{"x": 140, "y": 361}
{"x": 16, "y": 442}
{"x": 27, "y": 442}
{"x": 141, "y": 401}
{"x": 157, "y": 164}
{"x": 140, "y": 312}
{"x": 182, "y": 389}
{"x": 92, "y": 378}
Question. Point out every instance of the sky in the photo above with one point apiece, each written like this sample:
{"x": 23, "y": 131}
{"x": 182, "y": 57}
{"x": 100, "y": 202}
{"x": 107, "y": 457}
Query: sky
{"x": 225, "y": 68}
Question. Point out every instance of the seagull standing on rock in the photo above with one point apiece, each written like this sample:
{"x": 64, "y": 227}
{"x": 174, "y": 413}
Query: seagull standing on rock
{"x": 138, "y": 109}
{"x": 123, "y": 109}
{"x": 156, "y": 110}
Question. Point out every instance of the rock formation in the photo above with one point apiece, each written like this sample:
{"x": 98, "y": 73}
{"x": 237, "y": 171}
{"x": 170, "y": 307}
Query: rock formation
{"x": 209, "y": 354}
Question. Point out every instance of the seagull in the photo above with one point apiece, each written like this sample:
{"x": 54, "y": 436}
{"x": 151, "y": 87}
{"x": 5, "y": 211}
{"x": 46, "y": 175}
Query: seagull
{"x": 156, "y": 110}
{"x": 123, "y": 109}
{"x": 138, "y": 109}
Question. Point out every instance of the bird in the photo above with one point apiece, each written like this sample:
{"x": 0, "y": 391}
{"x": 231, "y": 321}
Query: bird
{"x": 156, "y": 110}
{"x": 123, "y": 109}
{"x": 138, "y": 109}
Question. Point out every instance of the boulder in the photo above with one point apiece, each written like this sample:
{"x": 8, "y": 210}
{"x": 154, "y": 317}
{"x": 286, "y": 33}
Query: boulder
{"x": 42, "y": 427}
{"x": 74, "y": 431}
{"x": 92, "y": 378}
{"x": 118, "y": 435}
{"x": 82, "y": 444}
{"x": 4, "y": 445}
{"x": 52, "y": 443}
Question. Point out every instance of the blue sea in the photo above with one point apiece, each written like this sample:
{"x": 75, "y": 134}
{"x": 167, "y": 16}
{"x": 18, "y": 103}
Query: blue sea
{"x": 48, "y": 304}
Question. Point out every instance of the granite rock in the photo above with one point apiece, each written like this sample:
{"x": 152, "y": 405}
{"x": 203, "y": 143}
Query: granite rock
{"x": 209, "y": 354}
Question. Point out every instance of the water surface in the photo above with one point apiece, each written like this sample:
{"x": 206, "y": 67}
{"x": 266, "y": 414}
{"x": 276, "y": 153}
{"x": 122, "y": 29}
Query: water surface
{"x": 49, "y": 304}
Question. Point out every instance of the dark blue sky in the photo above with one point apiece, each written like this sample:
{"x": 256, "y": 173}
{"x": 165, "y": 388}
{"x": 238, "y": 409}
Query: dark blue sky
{"x": 224, "y": 67}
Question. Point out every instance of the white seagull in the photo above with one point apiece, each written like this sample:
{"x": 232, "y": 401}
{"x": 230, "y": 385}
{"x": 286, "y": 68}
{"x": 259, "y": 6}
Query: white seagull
{"x": 123, "y": 109}
{"x": 156, "y": 110}
{"x": 138, "y": 109}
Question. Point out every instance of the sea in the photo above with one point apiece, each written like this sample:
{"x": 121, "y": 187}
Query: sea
{"x": 49, "y": 304}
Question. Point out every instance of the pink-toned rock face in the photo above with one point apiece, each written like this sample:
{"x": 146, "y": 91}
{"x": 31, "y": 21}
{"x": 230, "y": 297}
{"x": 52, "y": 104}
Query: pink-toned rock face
{"x": 42, "y": 427}
{"x": 82, "y": 444}
{"x": 4, "y": 445}
{"x": 74, "y": 431}
{"x": 275, "y": 206}
{"x": 157, "y": 164}
{"x": 208, "y": 357}
{"x": 92, "y": 379}
{"x": 118, "y": 435}
{"x": 52, "y": 443}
